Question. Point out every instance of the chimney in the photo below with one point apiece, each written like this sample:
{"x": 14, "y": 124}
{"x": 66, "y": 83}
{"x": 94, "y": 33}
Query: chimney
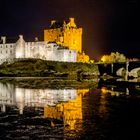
{"x": 36, "y": 39}
{"x": 3, "y": 38}
{"x": 20, "y": 36}
{"x": 52, "y": 22}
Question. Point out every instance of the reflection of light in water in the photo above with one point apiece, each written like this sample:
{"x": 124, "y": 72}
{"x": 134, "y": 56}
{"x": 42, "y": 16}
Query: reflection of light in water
{"x": 102, "y": 107}
{"x": 70, "y": 112}
{"x": 104, "y": 90}
{"x": 133, "y": 80}
{"x": 6, "y": 92}
{"x": 19, "y": 96}
{"x": 42, "y": 97}
{"x": 10, "y": 95}
{"x": 127, "y": 91}
{"x": 114, "y": 93}
{"x": 62, "y": 104}
{"x": 3, "y": 108}
{"x": 103, "y": 101}
{"x": 6, "y": 95}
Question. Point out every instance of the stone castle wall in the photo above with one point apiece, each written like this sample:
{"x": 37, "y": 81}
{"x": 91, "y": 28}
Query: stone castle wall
{"x": 66, "y": 34}
{"x": 42, "y": 50}
{"x": 7, "y": 52}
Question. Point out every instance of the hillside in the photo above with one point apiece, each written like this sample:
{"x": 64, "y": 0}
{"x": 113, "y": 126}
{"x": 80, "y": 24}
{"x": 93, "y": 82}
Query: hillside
{"x": 42, "y": 68}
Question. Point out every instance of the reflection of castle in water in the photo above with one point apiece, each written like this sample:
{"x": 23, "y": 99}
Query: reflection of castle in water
{"x": 114, "y": 92}
{"x": 12, "y": 95}
{"x": 58, "y": 104}
{"x": 65, "y": 105}
{"x": 70, "y": 112}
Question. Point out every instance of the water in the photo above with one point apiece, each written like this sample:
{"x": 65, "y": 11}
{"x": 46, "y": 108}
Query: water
{"x": 105, "y": 112}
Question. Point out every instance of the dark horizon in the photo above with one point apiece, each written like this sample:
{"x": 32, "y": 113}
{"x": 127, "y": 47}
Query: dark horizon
{"x": 108, "y": 25}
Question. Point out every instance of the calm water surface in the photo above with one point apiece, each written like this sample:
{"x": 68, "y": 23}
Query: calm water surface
{"x": 100, "y": 113}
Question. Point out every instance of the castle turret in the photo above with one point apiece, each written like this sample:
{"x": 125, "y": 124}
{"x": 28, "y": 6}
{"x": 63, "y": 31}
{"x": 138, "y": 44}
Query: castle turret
{"x": 53, "y": 22}
{"x": 20, "y": 47}
{"x": 72, "y": 23}
{"x": 3, "y": 38}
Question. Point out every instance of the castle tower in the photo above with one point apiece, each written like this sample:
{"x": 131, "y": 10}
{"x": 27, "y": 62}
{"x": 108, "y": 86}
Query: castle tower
{"x": 66, "y": 34}
{"x": 20, "y": 48}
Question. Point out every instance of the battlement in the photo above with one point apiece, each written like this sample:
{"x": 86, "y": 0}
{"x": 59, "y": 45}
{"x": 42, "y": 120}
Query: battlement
{"x": 63, "y": 24}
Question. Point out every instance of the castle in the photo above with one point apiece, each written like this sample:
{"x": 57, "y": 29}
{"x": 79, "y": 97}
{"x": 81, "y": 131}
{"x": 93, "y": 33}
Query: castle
{"x": 62, "y": 42}
{"x": 67, "y": 34}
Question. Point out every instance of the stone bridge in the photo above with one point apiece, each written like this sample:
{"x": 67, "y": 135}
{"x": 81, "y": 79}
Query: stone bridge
{"x": 120, "y": 69}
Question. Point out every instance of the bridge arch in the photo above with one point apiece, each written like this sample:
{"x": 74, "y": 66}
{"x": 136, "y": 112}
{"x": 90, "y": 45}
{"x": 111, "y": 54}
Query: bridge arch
{"x": 121, "y": 72}
{"x": 135, "y": 72}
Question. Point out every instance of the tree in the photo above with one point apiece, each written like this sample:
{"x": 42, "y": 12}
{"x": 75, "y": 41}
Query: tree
{"x": 113, "y": 57}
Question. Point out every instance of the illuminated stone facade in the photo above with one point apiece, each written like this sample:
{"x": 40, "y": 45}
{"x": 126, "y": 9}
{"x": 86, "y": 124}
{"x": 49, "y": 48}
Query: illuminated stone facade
{"x": 42, "y": 50}
{"x": 67, "y": 34}
{"x": 21, "y": 97}
{"x": 68, "y": 46}
{"x": 70, "y": 112}
{"x": 65, "y": 105}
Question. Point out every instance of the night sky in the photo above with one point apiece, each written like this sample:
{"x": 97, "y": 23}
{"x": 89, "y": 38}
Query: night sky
{"x": 108, "y": 25}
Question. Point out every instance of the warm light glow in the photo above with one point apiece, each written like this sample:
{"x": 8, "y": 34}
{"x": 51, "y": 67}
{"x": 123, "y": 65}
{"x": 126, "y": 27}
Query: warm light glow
{"x": 103, "y": 59}
{"x": 104, "y": 90}
{"x": 103, "y": 101}
{"x": 113, "y": 57}
{"x": 70, "y": 111}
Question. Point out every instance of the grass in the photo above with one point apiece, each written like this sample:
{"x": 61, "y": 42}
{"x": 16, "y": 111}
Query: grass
{"x": 42, "y": 68}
